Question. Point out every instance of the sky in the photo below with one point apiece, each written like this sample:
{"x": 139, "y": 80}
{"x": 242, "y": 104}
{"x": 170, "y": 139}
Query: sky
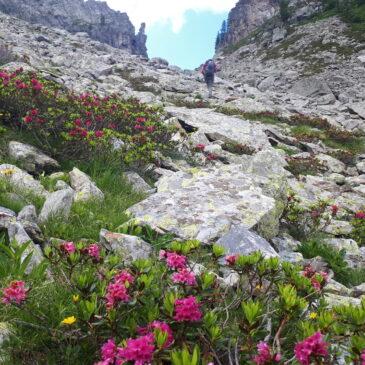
{"x": 181, "y": 31}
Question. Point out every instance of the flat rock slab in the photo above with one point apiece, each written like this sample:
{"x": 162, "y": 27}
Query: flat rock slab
{"x": 85, "y": 188}
{"x": 358, "y": 108}
{"x": 222, "y": 127}
{"x": 206, "y": 204}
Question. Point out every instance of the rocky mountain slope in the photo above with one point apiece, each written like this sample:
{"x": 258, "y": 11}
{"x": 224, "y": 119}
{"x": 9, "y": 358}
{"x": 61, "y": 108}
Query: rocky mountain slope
{"x": 239, "y": 155}
{"x": 92, "y": 17}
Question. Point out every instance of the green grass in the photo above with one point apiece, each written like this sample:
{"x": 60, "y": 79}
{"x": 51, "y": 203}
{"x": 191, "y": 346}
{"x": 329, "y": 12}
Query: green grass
{"x": 88, "y": 218}
{"x": 335, "y": 259}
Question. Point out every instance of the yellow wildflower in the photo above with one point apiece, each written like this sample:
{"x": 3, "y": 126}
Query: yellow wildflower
{"x": 7, "y": 172}
{"x": 75, "y": 298}
{"x": 313, "y": 315}
{"x": 69, "y": 320}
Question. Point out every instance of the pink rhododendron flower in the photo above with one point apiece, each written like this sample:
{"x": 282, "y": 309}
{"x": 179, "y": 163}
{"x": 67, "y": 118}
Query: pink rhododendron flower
{"x": 109, "y": 354}
{"x": 163, "y": 327}
{"x": 310, "y": 348}
{"x": 264, "y": 355}
{"x": 78, "y": 122}
{"x": 175, "y": 261}
{"x": 200, "y": 146}
{"x": 68, "y": 247}
{"x": 231, "y": 259}
{"x": 36, "y": 85}
{"x": 162, "y": 254}
{"x": 140, "y": 120}
{"x": 94, "y": 251}
{"x": 116, "y": 292}
{"x": 360, "y": 215}
{"x": 187, "y": 309}
{"x": 184, "y": 276}
{"x": 99, "y": 134}
{"x": 138, "y": 127}
{"x": 362, "y": 357}
{"x": 334, "y": 209}
{"x": 28, "y": 119}
{"x": 14, "y": 293}
{"x": 150, "y": 129}
{"x": 123, "y": 277}
{"x": 139, "y": 350}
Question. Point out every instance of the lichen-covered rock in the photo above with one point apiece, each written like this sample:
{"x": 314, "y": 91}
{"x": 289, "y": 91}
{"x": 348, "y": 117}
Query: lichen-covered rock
{"x": 349, "y": 245}
{"x": 58, "y": 204}
{"x": 84, "y": 187}
{"x": 138, "y": 183}
{"x": 31, "y": 159}
{"x": 334, "y": 300}
{"x": 205, "y": 204}
{"x": 240, "y": 240}
{"x": 21, "y": 180}
{"x": 28, "y": 213}
{"x": 131, "y": 248}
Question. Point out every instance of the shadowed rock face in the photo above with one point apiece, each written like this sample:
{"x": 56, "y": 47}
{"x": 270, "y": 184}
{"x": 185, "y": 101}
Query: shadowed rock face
{"x": 246, "y": 16}
{"x": 92, "y": 17}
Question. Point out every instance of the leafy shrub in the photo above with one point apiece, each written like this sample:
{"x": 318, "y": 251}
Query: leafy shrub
{"x": 358, "y": 231}
{"x": 75, "y": 124}
{"x": 159, "y": 310}
{"x": 335, "y": 260}
{"x": 304, "y": 165}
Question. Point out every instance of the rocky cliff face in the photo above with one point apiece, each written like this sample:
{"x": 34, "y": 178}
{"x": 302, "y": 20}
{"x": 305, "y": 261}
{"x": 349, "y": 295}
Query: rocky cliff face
{"x": 249, "y": 15}
{"x": 93, "y": 17}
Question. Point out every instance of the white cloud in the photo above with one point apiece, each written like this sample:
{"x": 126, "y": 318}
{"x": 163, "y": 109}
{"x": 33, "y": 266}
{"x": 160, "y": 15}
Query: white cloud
{"x": 159, "y": 11}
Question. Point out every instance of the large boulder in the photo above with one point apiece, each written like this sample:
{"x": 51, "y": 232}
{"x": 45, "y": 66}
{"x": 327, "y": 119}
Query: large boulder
{"x": 205, "y": 204}
{"x": 138, "y": 183}
{"x": 31, "y": 159}
{"x": 58, "y": 204}
{"x": 240, "y": 240}
{"x": 85, "y": 188}
{"x": 21, "y": 180}
{"x": 28, "y": 213}
{"x": 221, "y": 127}
{"x": 358, "y": 108}
{"x": 131, "y": 248}
{"x": 311, "y": 87}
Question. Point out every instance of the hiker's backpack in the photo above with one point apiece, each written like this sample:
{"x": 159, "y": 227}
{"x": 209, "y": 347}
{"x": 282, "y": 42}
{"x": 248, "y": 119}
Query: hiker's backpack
{"x": 210, "y": 68}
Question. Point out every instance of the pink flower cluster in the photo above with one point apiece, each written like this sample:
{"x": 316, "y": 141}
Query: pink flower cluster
{"x": 231, "y": 259}
{"x": 68, "y": 248}
{"x": 184, "y": 276}
{"x": 312, "y": 347}
{"x": 173, "y": 260}
{"x": 139, "y": 350}
{"x": 15, "y": 293}
{"x": 264, "y": 355}
{"x": 318, "y": 279}
{"x": 362, "y": 357}
{"x": 117, "y": 291}
{"x": 94, "y": 251}
{"x": 187, "y": 310}
{"x": 360, "y": 215}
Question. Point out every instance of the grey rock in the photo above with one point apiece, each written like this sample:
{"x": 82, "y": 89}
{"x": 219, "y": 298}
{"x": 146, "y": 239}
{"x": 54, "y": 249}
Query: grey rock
{"x": 359, "y": 290}
{"x": 31, "y": 159}
{"x": 131, "y": 248}
{"x": 311, "y": 87}
{"x": 334, "y": 300}
{"x": 266, "y": 83}
{"x": 138, "y": 183}
{"x": 28, "y": 213}
{"x": 358, "y": 108}
{"x": 58, "y": 175}
{"x": 292, "y": 257}
{"x": 331, "y": 163}
{"x": 339, "y": 228}
{"x": 279, "y": 34}
{"x": 61, "y": 185}
{"x": 334, "y": 287}
{"x": 240, "y": 240}
{"x": 5, "y": 212}
{"x": 349, "y": 245}
{"x": 85, "y": 188}
{"x": 17, "y": 234}
{"x": 361, "y": 167}
{"x": 285, "y": 243}
{"x": 58, "y": 204}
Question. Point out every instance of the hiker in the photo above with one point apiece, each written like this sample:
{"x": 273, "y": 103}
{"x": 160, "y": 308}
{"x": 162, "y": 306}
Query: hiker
{"x": 208, "y": 70}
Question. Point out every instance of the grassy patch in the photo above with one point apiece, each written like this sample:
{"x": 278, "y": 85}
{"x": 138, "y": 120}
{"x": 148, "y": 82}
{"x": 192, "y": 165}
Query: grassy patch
{"x": 88, "y": 218}
{"x": 335, "y": 259}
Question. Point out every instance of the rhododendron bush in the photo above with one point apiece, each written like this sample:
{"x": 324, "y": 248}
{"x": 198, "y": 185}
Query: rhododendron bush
{"x": 58, "y": 117}
{"x": 83, "y": 305}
